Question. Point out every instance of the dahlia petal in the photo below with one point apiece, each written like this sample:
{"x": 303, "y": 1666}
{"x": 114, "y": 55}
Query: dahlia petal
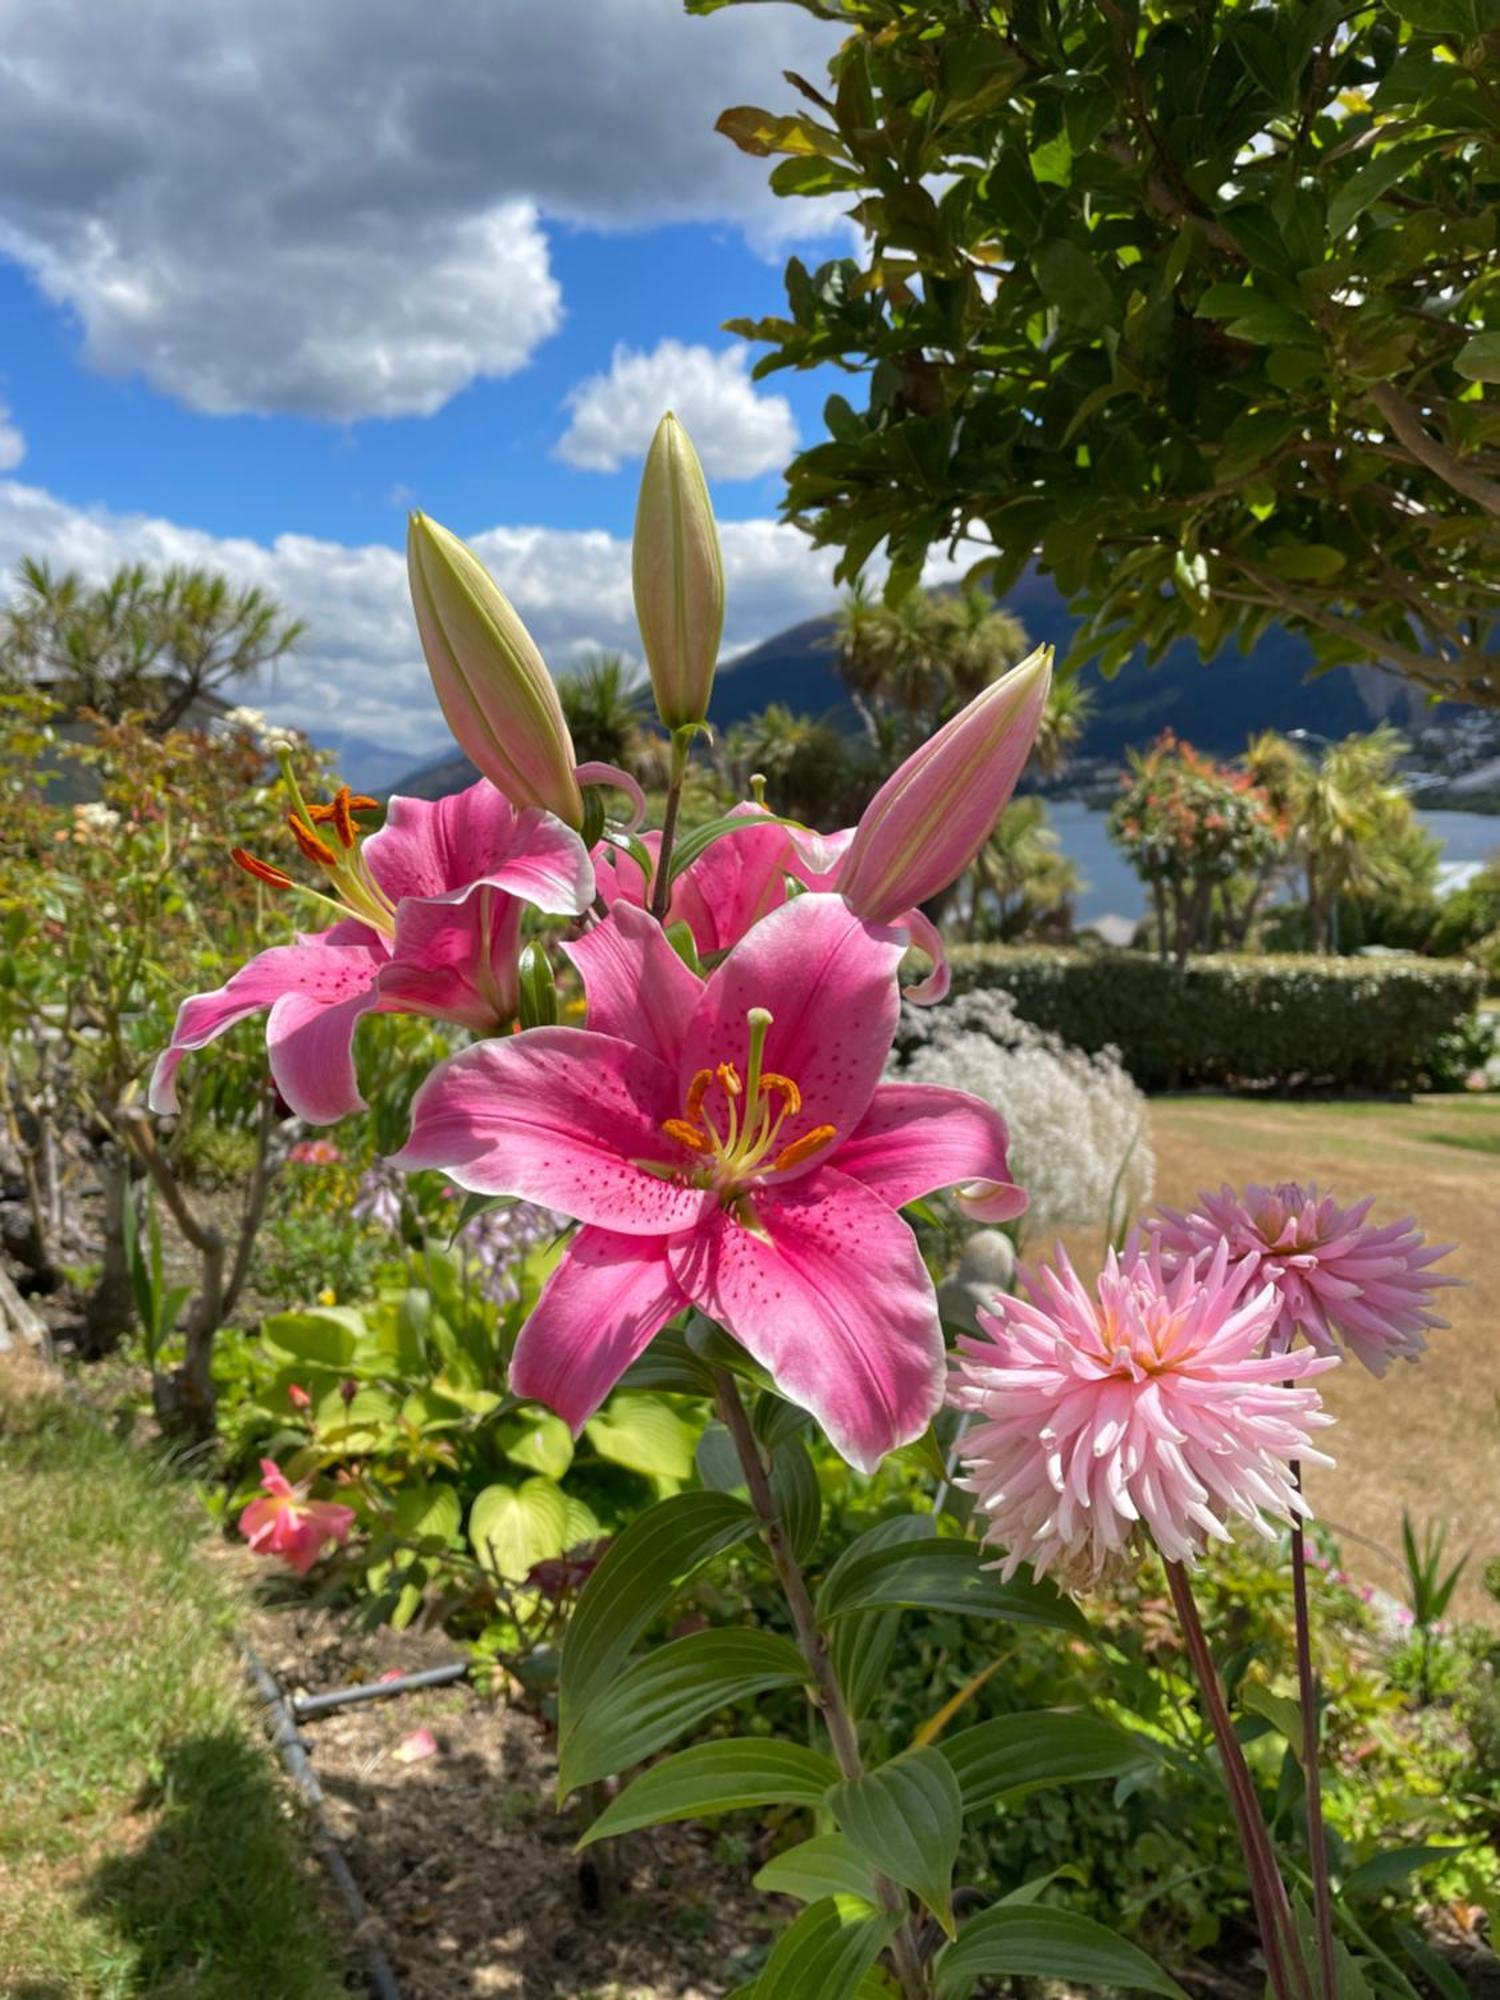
{"x": 559, "y": 1116}
{"x": 598, "y": 1311}
{"x": 638, "y": 989}
{"x": 830, "y": 1294}
{"x": 919, "y": 1137}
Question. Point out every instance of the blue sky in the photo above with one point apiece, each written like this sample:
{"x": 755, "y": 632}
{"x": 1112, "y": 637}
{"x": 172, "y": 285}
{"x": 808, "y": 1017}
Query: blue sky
{"x": 270, "y": 276}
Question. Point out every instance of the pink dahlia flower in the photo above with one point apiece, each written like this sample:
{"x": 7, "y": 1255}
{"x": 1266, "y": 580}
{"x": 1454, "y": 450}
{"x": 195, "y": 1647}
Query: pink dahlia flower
{"x": 1340, "y": 1280}
{"x": 1150, "y": 1405}
{"x": 284, "y": 1522}
{"x": 435, "y": 901}
{"x": 727, "y": 1143}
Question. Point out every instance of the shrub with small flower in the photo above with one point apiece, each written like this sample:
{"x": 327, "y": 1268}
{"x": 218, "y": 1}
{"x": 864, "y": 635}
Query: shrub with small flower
{"x": 684, "y": 1245}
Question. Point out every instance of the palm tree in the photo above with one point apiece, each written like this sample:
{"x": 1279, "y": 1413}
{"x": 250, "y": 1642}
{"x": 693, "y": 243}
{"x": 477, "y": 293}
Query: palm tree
{"x": 810, "y": 769}
{"x": 1021, "y": 877}
{"x": 908, "y": 666}
{"x": 606, "y": 709}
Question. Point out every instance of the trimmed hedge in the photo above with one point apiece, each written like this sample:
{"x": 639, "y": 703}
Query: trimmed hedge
{"x": 1238, "y": 1020}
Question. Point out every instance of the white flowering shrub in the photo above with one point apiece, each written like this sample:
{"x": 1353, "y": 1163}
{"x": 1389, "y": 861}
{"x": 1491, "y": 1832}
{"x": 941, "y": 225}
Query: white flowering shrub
{"x": 1080, "y": 1132}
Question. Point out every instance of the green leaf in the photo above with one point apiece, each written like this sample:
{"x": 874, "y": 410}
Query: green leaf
{"x": 424, "y": 1511}
{"x": 1280, "y": 1710}
{"x": 1072, "y": 283}
{"x": 638, "y": 1573}
{"x": 539, "y": 1441}
{"x": 538, "y": 987}
{"x": 1305, "y": 562}
{"x": 1016, "y": 1754}
{"x": 692, "y": 845}
{"x": 718, "y": 1778}
{"x": 326, "y": 1337}
{"x": 906, "y": 1818}
{"x": 943, "y": 1574}
{"x": 827, "y": 1865}
{"x": 1255, "y": 316}
{"x": 799, "y": 1503}
{"x": 512, "y": 1528}
{"x": 643, "y": 1434}
{"x": 827, "y": 1952}
{"x": 673, "y": 1687}
{"x": 1046, "y": 1943}
{"x": 1479, "y": 358}
{"x": 1370, "y": 181}
{"x": 1384, "y": 1871}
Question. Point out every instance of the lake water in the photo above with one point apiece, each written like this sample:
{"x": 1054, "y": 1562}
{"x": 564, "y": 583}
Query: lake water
{"x": 1113, "y": 890}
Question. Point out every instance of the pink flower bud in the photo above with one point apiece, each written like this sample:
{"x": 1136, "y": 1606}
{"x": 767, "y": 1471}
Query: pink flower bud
{"x": 298, "y": 1397}
{"x": 932, "y": 815}
{"x": 491, "y": 682}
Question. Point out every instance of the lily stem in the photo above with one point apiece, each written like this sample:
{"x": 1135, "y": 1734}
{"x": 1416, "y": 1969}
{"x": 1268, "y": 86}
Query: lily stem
{"x": 1307, "y": 1695}
{"x": 661, "y": 886}
{"x": 829, "y": 1696}
{"x": 1273, "y": 1912}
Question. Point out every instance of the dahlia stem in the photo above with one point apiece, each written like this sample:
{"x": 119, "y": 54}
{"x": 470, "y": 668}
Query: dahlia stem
{"x": 1273, "y": 1912}
{"x": 661, "y": 886}
{"x": 813, "y": 1642}
{"x": 1307, "y": 1695}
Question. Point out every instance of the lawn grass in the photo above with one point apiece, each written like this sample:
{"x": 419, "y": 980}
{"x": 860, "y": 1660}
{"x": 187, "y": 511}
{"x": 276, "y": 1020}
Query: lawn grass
{"x": 146, "y": 1843}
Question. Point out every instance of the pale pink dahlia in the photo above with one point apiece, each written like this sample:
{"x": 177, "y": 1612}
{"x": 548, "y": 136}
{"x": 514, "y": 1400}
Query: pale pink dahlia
{"x": 1340, "y": 1281}
{"x": 1151, "y": 1406}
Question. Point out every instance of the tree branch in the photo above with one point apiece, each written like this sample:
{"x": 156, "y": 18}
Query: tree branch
{"x": 1431, "y": 452}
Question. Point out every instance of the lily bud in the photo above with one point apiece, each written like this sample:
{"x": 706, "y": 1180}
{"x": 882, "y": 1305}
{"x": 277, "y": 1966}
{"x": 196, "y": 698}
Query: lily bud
{"x": 678, "y": 575}
{"x": 932, "y": 815}
{"x": 491, "y": 682}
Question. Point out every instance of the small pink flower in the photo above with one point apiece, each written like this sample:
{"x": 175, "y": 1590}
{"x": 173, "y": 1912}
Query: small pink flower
{"x": 315, "y": 1153}
{"x": 298, "y": 1397}
{"x": 285, "y": 1523}
{"x": 1339, "y": 1280}
{"x": 1150, "y": 1405}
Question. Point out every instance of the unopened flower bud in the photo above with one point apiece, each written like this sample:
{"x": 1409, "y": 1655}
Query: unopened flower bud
{"x": 678, "y": 574}
{"x": 491, "y": 682}
{"x": 934, "y": 813}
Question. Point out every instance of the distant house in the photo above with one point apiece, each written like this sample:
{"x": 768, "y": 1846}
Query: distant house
{"x": 73, "y": 783}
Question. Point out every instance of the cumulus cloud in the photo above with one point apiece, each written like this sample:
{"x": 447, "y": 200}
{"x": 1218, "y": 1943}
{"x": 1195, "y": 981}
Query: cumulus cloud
{"x": 739, "y": 434}
{"x": 361, "y": 662}
{"x": 341, "y": 209}
{"x": 12, "y": 442}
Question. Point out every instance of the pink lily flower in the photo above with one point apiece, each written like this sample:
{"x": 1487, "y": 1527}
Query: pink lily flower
{"x": 434, "y": 902}
{"x": 727, "y": 1143}
{"x": 284, "y": 1522}
{"x": 728, "y": 889}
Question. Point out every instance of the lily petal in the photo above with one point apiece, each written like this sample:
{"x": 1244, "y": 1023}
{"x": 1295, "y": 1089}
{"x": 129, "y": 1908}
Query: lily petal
{"x": 834, "y": 1299}
{"x": 927, "y": 938}
{"x": 559, "y": 1116}
{"x": 919, "y": 1137}
{"x": 598, "y": 1311}
{"x": 733, "y": 883}
{"x": 443, "y": 851}
{"x": 457, "y": 961}
{"x": 637, "y": 987}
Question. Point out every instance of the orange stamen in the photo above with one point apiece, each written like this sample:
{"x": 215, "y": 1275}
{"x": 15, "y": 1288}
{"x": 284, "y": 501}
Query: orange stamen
{"x": 261, "y": 870}
{"x": 791, "y": 1095}
{"x": 803, "y": 1148}
{"x": 729, "y": 1076}
{"x": 696, "y": 1092}
{"x": 343, "y": 816}
{"x": 308, "y": 841}
{"x": 687, "y": 1135}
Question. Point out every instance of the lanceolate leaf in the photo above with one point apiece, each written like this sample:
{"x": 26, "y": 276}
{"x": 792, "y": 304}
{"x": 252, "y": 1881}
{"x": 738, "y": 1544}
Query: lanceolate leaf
{"x": 826, "y": 1953}
{"x": 1015, "y": 1754}
{"x": 659, "y": 1696}
{"x": 1046, "y": 1943}
{"x": 639, "y": 1572}
{"x": 944, "y": 1574}
{"x": 906, "y": 1818}
{"x": 827, "y": 1865}
{"x": 718, "y": 1778}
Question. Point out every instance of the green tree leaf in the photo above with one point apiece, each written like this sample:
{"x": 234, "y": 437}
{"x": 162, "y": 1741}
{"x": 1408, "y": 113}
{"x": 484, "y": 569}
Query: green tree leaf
{"x": 716, "y": 1778}
{"x": 1012, "y": 1755}
{"x": 673, "y": 1687}
{"x": 1071, "y": 281}
{"x": 1479, "y": 358}
{"x": 1046, "y": 1943}
{"x": 906, "y": 1818}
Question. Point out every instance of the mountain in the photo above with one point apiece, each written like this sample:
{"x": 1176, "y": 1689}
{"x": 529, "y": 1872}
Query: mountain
{"x": 1214, "y": 704}
{"x": 367, "y": 766}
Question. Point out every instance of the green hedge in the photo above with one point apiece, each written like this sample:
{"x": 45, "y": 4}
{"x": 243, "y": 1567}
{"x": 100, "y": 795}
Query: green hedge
{"x": 1372, "y": 1023}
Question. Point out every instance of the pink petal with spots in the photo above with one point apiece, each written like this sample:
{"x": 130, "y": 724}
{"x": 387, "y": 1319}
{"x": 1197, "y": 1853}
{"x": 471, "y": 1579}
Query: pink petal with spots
{"x": 637, "y": 987}
{"x": 919, "y": 1137}
{"x": 733, "y": 883}
{"x": 558, "y": 1116}
{"x": 317, "y": 991}
{"x": 442, "y": 849}
{"x": 837, "y": 1304}
{"x": 828, "y": 979}
{"x": 457, "y": 961}
{"x": 598, "y": 1311}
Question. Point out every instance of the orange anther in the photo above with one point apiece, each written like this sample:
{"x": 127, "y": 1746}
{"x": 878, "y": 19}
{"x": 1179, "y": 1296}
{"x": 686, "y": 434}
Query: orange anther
{"x": 343, "y": 816}
{"x": 791, "y": 1096}
{"x": 687, "y": 1135}
{"x": 696, "y": 1092}
{"x": 261, "y": 870}
{"x": 729, "y": 1076}
{"x": 803, "y": 1148}
{"x": 308, "y": 841}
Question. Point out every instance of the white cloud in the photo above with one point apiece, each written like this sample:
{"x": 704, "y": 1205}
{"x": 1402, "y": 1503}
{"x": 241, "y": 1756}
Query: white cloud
{"x": 341, "y": 209}
{"x": 361, "y": 663}
{"x": 738, "y": 434}
{"x": 12, "y": 442}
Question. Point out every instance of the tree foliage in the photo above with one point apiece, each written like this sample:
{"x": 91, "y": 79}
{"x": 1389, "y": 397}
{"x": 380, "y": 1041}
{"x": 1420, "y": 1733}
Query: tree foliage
{"x": 1192, "y": 305}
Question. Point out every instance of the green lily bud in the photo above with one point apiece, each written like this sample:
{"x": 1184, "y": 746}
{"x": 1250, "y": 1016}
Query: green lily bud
{"x": 491, "y": 682}
{"x": 678, "y": 574}
{"x": 538, "y": 988}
